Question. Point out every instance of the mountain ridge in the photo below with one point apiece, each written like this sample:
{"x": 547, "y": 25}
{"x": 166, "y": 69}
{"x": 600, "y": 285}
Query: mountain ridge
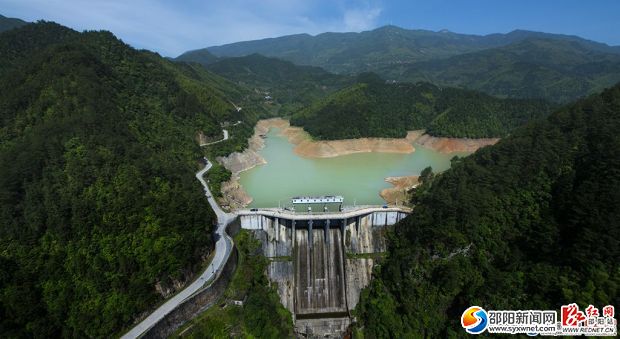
{"x": 469, "y": 42}
{"x": 417, "y": 55}
{"x": 10, "y": 23}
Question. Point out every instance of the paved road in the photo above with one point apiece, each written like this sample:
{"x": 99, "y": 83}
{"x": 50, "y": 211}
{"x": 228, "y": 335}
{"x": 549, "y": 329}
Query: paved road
{"x": 215, "y": 142}
{"x": 223, "y": 247}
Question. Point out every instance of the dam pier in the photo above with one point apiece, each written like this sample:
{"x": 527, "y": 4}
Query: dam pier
{"x": 321, "y": 261}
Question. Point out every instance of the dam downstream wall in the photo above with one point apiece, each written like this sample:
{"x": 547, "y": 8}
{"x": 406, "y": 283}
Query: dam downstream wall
{"x": 320, "y": 263}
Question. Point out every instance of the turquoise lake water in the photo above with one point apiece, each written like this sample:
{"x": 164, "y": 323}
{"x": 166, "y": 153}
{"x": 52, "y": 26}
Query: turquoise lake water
{"x": 358, "y": 177}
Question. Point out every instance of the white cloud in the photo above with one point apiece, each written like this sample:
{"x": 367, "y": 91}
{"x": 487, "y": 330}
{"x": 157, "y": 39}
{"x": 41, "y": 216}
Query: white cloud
{"x": 172, "y": 27}
{"x": 361, "y": 19}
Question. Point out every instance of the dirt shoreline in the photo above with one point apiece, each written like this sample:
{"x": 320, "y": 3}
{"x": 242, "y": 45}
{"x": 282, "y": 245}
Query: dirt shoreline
{"x": 398, "y": 194}
{"x": 235, "y": 196}
{"x": 450, "y": 145}
{"x": 306, "y": 147}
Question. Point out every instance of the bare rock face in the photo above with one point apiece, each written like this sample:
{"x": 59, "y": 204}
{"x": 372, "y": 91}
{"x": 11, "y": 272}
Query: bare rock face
{"x": 239, "y": 162}
{"x": 166, "y": 291}
{"x": 234, "y": 196}
{"x": 399, "y": 193}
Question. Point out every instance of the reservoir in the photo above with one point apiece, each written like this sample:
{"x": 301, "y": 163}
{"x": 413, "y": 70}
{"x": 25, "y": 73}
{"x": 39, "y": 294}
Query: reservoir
{"x": 358, "y": 177}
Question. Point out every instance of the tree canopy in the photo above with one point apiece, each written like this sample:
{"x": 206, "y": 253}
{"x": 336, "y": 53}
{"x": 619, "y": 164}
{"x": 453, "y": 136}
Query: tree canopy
{"x": 100, "y": 213}
{"x": 376, "y": 108}
{"x": 529, "y": 223}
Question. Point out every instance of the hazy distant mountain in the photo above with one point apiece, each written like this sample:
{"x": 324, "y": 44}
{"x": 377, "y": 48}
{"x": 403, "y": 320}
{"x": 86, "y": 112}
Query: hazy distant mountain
{"x": 376, "y": 49}
{"x": 519, "y": 64}
{"x": 558, "y": 70}
{"x": 10, "y": 23}
{"x": 201, "y": 56}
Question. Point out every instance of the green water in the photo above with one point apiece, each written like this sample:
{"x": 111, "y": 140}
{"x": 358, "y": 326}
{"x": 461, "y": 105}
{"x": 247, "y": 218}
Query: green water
{"x": 358, "y": 177}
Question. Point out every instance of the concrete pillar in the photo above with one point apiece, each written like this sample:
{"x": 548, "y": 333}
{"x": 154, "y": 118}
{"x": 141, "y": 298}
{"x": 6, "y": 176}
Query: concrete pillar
{"x": 309, "y": 233}
{"x": 293, "y": 230}
{"x": 326, "y": 233}
{"x": 277, "y": 226}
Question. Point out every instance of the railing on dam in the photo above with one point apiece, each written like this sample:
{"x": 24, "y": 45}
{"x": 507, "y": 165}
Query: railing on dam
{"x": 347, "y": 212}
{"x": 376, "y": 215}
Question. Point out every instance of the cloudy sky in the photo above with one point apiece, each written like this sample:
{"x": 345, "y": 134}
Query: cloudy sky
{"x": 171, "y": 27}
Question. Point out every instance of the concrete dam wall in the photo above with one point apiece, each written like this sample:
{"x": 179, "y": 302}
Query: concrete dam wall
{"x": 319, "y": 276}
{"x": 321, "y": 262}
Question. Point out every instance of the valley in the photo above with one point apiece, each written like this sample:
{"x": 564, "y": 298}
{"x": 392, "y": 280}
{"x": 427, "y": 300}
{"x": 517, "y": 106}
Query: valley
{"x": 373, "y": 183}
{"x": 266, "y": 172}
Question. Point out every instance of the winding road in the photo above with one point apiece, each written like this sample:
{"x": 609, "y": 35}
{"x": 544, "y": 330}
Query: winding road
{"x": 223, "y": 247}
{"x": 215, "y": 142}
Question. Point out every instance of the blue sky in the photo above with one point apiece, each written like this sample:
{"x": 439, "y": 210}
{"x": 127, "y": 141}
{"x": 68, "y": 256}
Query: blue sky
{"x": 171, "y": 27}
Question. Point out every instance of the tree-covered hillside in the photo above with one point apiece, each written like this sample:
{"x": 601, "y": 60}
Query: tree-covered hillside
{"x": 99, "y": 207}
{"x": 200, "y": 56}
{"x": 375, "y": 108}
{"x": 10, "y": 23}
{"x": 557, "y": 70}
{"x": 290, "y": 87}
{"x": 382, "y": 47}
{"x": 530, "y": 223}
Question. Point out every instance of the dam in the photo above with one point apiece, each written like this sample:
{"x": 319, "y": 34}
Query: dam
{"x": 320, "y": 261}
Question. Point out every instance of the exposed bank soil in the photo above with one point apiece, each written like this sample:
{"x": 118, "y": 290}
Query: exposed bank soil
{"x": 449, "y": 145}
{"x": 398, "y": 194}
{"x": 308, "y": 148}
{"x": 235, "y": 197}
{"x": 233, "y": 194}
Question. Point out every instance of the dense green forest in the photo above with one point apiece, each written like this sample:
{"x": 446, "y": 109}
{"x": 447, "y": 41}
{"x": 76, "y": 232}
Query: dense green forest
{"x": 375, "y": 108}
{"x": 261, "y": 316}
{"x": 530, "y": 223}
{"x": 200, "y": 56}
{"x": 290, "y": 87}
{"x": 557, "y": 70}
{"x": 98, "y": 200}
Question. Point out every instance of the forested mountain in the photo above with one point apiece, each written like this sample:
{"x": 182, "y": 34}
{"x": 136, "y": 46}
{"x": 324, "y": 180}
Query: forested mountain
{"x": 530, "y": 223}
{"x": 376, "y": 108}
{"x": 290, "y": 87}
{"x": 519, "y": 64}
{"x": 200, "y": 56}
{"x": 384, "y": 46}
{"x": 10, "y": 23}
{"x": 99, "y": 207}
{"x": 355, "y": 52}
{"x": 558, "y": 70}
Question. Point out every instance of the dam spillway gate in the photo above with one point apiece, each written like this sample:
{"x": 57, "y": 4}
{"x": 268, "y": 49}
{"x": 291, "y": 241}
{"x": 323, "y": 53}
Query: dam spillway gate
{"x": 321, "y": 261}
